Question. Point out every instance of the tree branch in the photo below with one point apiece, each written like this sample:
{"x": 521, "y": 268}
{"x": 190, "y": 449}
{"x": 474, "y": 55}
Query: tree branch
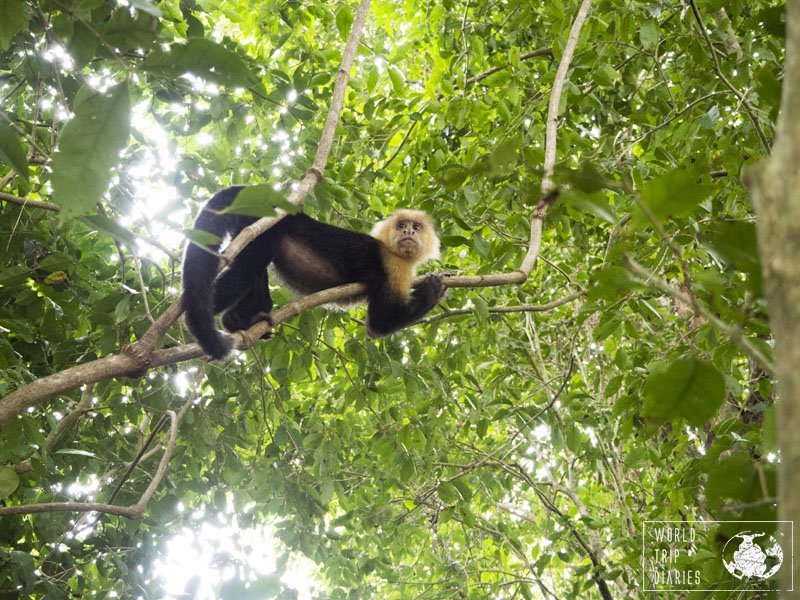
{"x": 537, "y": 218}
{"x": 528, "y": 55}
{"x": 137, "y": 358}
{"x": 315, "y": 172}
{"x": 731, "y": 331}
{"x": 26, "y": 202}
{"x": 505, "y": 309}
{"x": 718, "y": 70}
{"x": 134, "y": 511}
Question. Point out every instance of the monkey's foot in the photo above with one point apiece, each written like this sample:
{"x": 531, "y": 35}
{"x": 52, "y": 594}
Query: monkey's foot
{"x": 263, "y": 316}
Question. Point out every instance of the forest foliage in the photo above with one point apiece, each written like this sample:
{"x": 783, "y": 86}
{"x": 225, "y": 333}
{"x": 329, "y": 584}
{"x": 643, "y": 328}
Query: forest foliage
{"x": 503, "y": 447}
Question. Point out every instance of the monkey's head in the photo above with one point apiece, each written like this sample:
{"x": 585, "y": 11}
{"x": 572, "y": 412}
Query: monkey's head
{"x": 410, "y": 234}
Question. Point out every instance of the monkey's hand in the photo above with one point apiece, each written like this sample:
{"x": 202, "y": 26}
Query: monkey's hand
{"x": 431, "y": 289}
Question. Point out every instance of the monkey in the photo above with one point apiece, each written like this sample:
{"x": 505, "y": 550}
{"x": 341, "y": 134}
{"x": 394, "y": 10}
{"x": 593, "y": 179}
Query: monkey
{"x": 308, "y": 256}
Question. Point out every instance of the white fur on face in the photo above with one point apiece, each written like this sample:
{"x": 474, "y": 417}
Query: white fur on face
{"x": 429, "y": 243}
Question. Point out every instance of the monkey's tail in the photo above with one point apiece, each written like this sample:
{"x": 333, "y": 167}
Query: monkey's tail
{"x": 199, "y": 271}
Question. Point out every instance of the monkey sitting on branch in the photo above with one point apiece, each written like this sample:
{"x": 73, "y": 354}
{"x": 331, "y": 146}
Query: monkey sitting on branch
{"x": 308, "y": 256}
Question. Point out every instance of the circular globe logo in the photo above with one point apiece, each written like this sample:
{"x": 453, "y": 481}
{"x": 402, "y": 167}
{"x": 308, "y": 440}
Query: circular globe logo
{"x": 748, "y": 555}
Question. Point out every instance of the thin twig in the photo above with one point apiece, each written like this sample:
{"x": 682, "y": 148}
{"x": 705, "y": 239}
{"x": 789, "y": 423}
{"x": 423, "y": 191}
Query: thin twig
{"x": 528, "y": 55}
{"x": 718, "y": 70}
{"x": 505, "y": 309}
{"x": 134, "y": 511}
{"x": 734, "y": 333}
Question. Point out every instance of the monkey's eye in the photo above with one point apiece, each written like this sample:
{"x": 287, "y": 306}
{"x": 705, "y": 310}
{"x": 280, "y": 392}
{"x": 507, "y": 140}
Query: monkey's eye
{"x": 401, "y": 224}
{"x": 417, "y": 227}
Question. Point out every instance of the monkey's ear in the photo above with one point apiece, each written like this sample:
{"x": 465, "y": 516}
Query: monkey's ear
{"x": 380, "y": 230}
{"x": 432, "y": 250}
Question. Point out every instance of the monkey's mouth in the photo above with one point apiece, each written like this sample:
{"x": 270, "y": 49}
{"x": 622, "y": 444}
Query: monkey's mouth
{"x": 408, "y": 239}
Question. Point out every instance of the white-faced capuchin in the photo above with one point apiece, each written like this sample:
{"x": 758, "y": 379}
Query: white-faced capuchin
{"x": 308, "y": 256}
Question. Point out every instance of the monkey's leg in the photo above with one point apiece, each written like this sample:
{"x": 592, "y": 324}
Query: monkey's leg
{"x": 251, "y": 307}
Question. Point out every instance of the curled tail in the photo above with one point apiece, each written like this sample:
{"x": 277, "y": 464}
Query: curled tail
{"x": 200, "y": 269}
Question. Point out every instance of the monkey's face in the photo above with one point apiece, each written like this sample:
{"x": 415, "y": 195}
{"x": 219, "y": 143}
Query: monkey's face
{"x": 409, "y": 234}
{"x": 408, "y": 238}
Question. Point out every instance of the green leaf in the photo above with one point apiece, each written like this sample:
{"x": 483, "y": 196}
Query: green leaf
{"x": 14, "y": 19}
{"x": 110, "y": 227}
{"x": 452, "y": 176}
{"x": 611, "y": 283}
{"x": 82, "y": 45}
{"x": 372, "y": 78}
{"x": 708, "y": 120}
{"x": 54, "y": 592}
{"x": 127, "y": 31}
{"x": 448, "y": 493}
{"x": 194, "y": 27}
{"x": 605, "y": 76}
{"x": 463, "y": 489}
{"x": 75, "y": 451}
{"x": 9, "y": 481}
{"x": 732, "y": 477}
{"x": 648, "y": 34}
{"x": 585, "y": 179}
{"x": 398, "y": 81}
{"x": 499, "y": 79}
{"x": 14, "y": 275}
{"x": 205, "y": 59}
{"x": 12, "y": 151}
{"x": 689, "y": 388}
{"x": 504, "y": 157}
{"x": 344, "y": 21}
{"x": 89, "y": 148}
{"x": 204, "y": 239}
{"x": 673, "y": 195}
{"x": 23, "y": 567}
{"x": 259, "y": 201}
{"x": 733, "y": 243}
{"x": 596, "y": 204}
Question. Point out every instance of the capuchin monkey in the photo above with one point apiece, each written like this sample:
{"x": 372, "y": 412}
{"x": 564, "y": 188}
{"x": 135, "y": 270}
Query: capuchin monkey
{"x": 308, "y": 256}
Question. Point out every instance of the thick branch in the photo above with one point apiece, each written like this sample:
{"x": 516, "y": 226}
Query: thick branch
{"x": 315, "y": 172}
{"x": 550, "y": 144}
{"x": 774, "y": 184}
{"x": 29, "y": 203}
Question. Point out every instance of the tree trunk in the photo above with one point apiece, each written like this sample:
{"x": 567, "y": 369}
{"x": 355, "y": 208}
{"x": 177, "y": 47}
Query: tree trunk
{"x": 774, "y": 185}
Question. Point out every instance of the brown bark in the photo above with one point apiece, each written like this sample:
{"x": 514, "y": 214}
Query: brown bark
{"x": 774, "y": 184}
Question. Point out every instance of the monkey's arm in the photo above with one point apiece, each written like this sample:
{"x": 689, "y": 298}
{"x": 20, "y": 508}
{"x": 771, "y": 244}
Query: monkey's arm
{"x": 386, "y": 313}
